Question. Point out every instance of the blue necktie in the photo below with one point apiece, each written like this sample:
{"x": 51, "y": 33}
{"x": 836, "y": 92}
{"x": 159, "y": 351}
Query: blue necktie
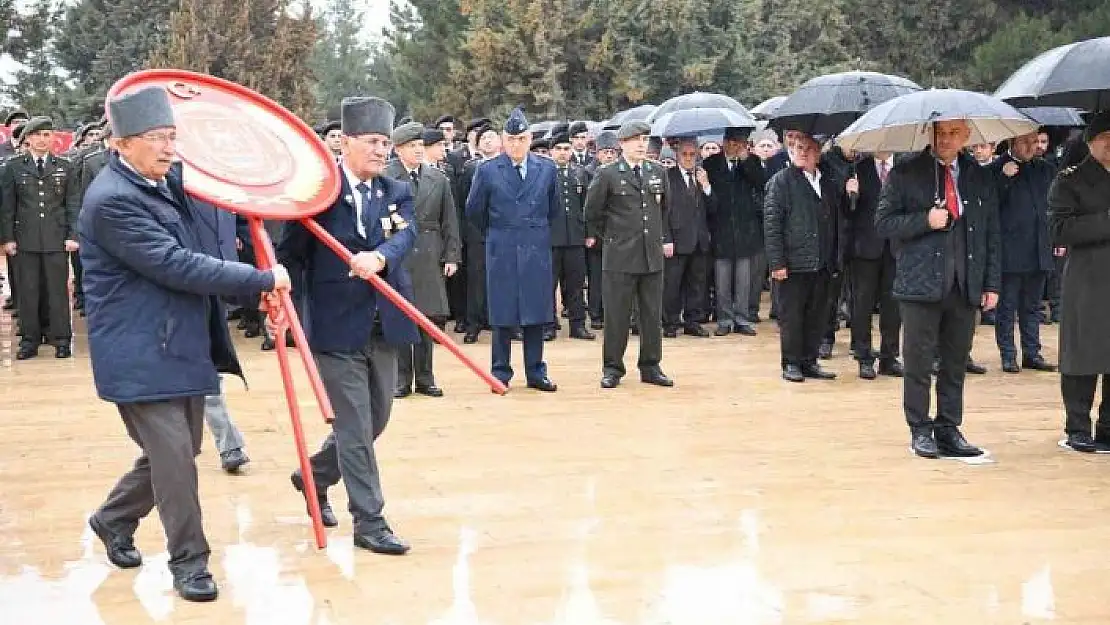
{"x": 367, "y": 222}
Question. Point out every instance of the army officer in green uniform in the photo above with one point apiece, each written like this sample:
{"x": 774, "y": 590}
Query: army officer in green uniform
{"x": 624, "y": 211}
{"x": 39, "y": 212}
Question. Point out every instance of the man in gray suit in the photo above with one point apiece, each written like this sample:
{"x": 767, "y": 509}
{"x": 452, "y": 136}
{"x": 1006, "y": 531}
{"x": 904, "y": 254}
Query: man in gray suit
{"x": 436, "y": 256}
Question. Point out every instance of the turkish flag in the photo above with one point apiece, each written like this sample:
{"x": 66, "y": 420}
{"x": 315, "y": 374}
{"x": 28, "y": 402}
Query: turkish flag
{"x": 63, "y": 140}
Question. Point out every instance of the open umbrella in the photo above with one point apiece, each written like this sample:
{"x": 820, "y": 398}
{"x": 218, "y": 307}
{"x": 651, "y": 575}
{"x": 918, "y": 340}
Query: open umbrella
{"x": 766, "y": 109}
{"x": 1060, "y": 116}
{"x": 828, "y": 104}
{"x": 637, "y": 114}
{"x": 905, "y": 124}
{"x": 1075, "y": 75}
{"x": 695, "y": 122}
{"x": 697, "y": 100}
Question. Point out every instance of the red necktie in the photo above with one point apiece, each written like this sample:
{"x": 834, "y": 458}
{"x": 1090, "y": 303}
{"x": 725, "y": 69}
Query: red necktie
{"x": 950, "y": 193}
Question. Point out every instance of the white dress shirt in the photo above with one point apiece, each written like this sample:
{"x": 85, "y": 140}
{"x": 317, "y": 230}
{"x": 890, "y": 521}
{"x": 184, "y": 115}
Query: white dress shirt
{"x": 814, "y": 180}
{"x": 353, "y": 181}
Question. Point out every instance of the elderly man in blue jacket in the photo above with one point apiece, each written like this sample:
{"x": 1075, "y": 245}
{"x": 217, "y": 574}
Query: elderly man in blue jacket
{"x": 146, "y": 246}
{"x": 354, "y": 331}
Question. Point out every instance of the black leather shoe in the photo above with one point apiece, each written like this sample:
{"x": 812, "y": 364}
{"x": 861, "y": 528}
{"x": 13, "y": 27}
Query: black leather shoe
{"x": 121, "y": 549}
{"x": 382, "y": 541}
{"x": 544, "y": 384}
{"x": 580, "y": 332}
{"x": 1010, "y": 366}
{"x": 923, "y": 444}
{"x": 695, "y": 330}
{"x": 951, "y": 443}
{"x": 866, "y": 371}
{"x": 655, "y": 377}
{"x": 430, "y": 391}
{"x": 233, "y": 460}
{"x": 974, "y": 367}
{"x": 326, "y": 514}
{"x": 1038, "y": 363}
{"x": 891, "y": 367}
{"x": 516, "y": 335}
{"x": 670, "y": 333}
{"x": 268, "y": 344}
{"x": 402, "y": 392}
{"x": 1082, "y": 442}
{"x": 26, "y": 351}
{"x": 470, "y": 338}
{"x": 63, "y": 351}
{"x": 199, "y": 587}
{"x": 793, "y": 373}
{"x": 597, "y": 325}
{"x": 550, "y": 334}
{"x": 825, "y": 351}
{"x": 817, "y": 373}
{"x": 610, "y": 381}
{"x": 746, "y": 330}
{"x": 460, "y": 327}
{"x": 722, "y": 331}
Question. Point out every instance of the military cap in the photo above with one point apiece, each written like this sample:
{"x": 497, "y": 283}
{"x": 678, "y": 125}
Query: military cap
{"x": 432, "y": 136}
{"x": 482, "y": 130}
{"x": 444, "y": 120}
{"x": 134, "y": 113}
{"x": 366, "y": 116}
{"x": 559, "y": 129}
{"x": 540, "y": 143}
{"x": 560, "y": 138}
{"x": 323, "y": 128}
{"x": 408, "y": 132}
{"x": 631, "y": 130}
{"x": 606, "y": 140}
{"x": 517, "y": 124}
{"x": 578, "y": 128}
{"x": 476, "y": 124}
{"x": 38, "y": 123}
{"x": 14, "y": 115}
{"x": 17, "y": 132}
{"x": 1098, "y": 124}
{"x": 738, "y": 133}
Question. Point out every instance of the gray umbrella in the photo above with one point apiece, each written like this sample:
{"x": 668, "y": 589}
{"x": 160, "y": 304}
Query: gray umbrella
{"x": 828, "y": 104}
{"x": 637, "y": 114}
{"x": 696, "y": 122}
{"x": 1075, "y": 75}
{"x": 766, "y": 109}
{"x": 905, "y": 124}
{"x": 697, "y": 100}
{"x": 1060, "y": 116}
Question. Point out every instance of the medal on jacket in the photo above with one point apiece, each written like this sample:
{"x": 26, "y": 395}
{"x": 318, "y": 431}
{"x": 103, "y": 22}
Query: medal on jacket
{"x": 396, "y": 221}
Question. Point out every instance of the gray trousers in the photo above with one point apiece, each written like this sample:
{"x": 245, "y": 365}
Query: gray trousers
{"x": 224, "y": 432}
{"x": 164, "y": 476}
{"x": 759, "y": 275}
{"x": 360, "y": 386}
{"x": 733, "y": 277}
{"x": 621, "y": 292}
{"x": 414, "y": 362}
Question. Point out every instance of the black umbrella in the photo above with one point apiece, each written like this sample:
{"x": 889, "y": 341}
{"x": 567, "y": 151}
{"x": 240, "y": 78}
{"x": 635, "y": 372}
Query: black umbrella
{"x": 637, "y": 114}
{"x": 1060, "y": 116}
{"x": 698, "y": 100}
{"x": 828, "y": 104}
{"x": 1075, "y": 75}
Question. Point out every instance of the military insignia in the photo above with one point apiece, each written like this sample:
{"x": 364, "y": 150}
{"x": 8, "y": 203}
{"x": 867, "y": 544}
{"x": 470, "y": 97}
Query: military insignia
{"x": 348, "y": 199}
{"x": 387, "y": 225}
{"x": 623, "y": 167}
{"x": 1069, "y": 171}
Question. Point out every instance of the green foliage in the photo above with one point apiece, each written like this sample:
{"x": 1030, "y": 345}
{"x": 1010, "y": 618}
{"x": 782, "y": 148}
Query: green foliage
{"x": 341, "y": 60}
{"x": 38, "y": 86}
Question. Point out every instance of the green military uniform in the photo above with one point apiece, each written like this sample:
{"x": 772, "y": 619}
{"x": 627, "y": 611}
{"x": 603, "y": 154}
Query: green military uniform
{"x": 87, "y": 163}
{"x": 1079, "y": 218}
{"x": 624, "y": 213}
{"x": 39, "y": 206}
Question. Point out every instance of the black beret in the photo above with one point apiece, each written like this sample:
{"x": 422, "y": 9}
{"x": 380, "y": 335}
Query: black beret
{"x": 540, "y": 143}
{"x": 578, "y": 128}
{"x": 432, "y": 136}
{"x": 738, "y": 133}
{"x": 1098, "y": 124}
{"x": 17, "y": 132}
{"x": 11, "y": 117}
{"x": 326, "y": 127}
{"x": 560, "y": 138}
{"x": 482, "y": 130}
{"x": 444, "y": 119}
{"x": 476, "y": 124}
{"x": 559, "y": 129}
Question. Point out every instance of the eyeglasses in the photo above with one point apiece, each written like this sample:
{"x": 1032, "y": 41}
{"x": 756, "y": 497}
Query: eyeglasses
{"x": 159, "y": 138}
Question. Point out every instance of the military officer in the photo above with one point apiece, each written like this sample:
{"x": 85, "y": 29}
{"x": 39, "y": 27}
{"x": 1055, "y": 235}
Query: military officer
{"x": 568, "y": 239}
{"x": 39, "y": 214}
{"x": 1080, "y": 221}
{"x": 625, "y": 208}
{"x": 579, "y": 135}
{"x": 436, "y": 255}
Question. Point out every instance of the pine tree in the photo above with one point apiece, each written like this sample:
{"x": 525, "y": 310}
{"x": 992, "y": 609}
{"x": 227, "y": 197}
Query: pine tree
{"x": 341, "y": 60}
{"x": 37, "y": 86}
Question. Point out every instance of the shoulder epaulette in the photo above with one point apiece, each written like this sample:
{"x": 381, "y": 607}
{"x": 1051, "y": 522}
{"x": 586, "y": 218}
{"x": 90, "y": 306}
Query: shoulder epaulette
{"x": 1067, "y": 171}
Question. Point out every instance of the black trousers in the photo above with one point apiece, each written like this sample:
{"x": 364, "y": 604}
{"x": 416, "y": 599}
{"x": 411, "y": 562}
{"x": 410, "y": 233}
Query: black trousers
{"x": 1055, "y": 281}
{"x": 1079, "y": 397}
{"x": 873, "y": 283}
{"x": 1020, "y": 301}
{"x": 414, "y": 362}
{"x": 594, "y": 283}
{"x": 622, "y": 290}
{"x": 943, "y": 328}
{"x": 456, "y": 293}
{"x": 835, "y": 293}
{"x": 803, "y": 315}
{"x": 44, "y": 280}
{"x": 477, "y": 311}
{"x": 685, "y": 281}
{"x": 568, "y": 268}
{"x": 78, "y": 271}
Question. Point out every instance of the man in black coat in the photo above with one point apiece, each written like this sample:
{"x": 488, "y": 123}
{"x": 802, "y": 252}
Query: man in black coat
{"x": 871, "y": 264}
{"x": 568, "y": 240}
{"x": 1023, "y": 182}
{"x": 802, "y": 225}
{"x": 686, "y": 273}
{"x": 940, "y": 210}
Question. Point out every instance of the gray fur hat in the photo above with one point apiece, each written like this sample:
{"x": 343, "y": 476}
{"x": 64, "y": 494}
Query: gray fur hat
{"x": 367, "y": 116}
{"x": 412, "y": 131}
{"x": 134, "y": 113}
